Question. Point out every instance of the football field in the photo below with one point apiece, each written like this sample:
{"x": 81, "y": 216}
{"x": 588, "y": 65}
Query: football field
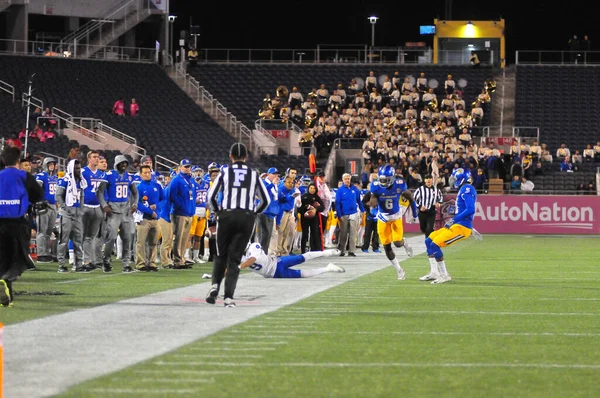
{"x": 521, "y": 318}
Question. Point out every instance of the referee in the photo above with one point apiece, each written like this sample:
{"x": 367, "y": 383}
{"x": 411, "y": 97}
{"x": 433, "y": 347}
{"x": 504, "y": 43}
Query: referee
{"x": 232, "y": 197}
{"x": 18, "y": 190}
{"x": 428, "y": 199}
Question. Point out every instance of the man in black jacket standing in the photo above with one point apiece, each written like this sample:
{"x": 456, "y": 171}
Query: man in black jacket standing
{"x": 232, "y": 197}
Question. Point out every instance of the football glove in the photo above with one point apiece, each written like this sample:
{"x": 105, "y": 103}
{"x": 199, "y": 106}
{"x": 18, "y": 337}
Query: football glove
{"x": 449, "y": 223}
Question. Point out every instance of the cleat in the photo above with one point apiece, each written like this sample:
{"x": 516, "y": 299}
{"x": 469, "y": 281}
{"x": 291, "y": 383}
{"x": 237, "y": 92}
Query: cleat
{"x": 83, "y": 269}
{"x": 5, "y": 293}
{"x": 142, "y": 268}
{"x": 376, "y": 251}
{"x": 429, "y": 277}
{"x": 199, "y": 261}
{"x": 211, "y": 297}
{"x": 331, "y": 267}
{"x": 342, "y": 254}
{"x": 44, "y": 259}
{"x": 106, "y": 268}
{"x": 401, "y": 274}
{"x": 229, "y": 303}
{"x": 152, "y": 268}
{"x": 351, "y": 254}
{"x": 128, "y": 270}
{"x": 409, "y": 250}
{"x": 442, "y": 279}
{"x": 63, "y": 270}
{"x": 206, "y": 276}
{"x": 365, "y": 250}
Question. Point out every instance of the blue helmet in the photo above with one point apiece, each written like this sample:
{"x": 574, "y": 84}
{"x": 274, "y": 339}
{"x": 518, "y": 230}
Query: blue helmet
{"x": 214, "y": 166}
{"x": 461, "y": 176}
{"x": 306, "y": 180}
{"x": 386, "y": 175}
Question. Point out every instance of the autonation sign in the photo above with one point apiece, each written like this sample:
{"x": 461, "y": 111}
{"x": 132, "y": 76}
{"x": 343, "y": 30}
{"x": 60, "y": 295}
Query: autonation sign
{"x": 528, "y": 214}
{"x": 538, "y": 214}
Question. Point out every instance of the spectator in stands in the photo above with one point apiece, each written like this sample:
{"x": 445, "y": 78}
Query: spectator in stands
{"x": 527, "y": 185}
{"x": 49, "y": 122}
{"x": 515, "y": 185}
{"x": 134, "y": 108}
{"x": 563, "y": 151}
{"x": 538, "y": 170}
{"x": 588, "y": 154}
{"x": 591, "y": 189}
{"x": 574, "y": 46}
{"x": 479, "y": 180}
{"x": 566, "y": 165}
{"x": 13, "y": 140}
{"x": 193, "y": 57}
{"x": 474, "y": 60}
{"x": 577, "y": 158}
{"x": 119, "y": 107}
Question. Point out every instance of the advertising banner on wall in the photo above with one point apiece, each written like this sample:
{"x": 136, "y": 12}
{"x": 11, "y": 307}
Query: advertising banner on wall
{"x": 527, "y": 214}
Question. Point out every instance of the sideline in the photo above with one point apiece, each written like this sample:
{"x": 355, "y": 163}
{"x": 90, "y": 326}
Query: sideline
{"x": 47, "y": 356}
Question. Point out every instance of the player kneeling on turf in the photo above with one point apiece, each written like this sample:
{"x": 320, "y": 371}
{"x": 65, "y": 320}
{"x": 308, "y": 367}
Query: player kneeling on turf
{"x": 280, "y": 267}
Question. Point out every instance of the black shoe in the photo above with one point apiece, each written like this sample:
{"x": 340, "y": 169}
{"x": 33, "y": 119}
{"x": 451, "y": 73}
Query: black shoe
{"x": 63, "y": 270}
{"x": 211, "y": 297}
{"x": 84, "y": 269}
{"x": 342, "y": 254}
{"x": 182, "y": 266}
{"x": 189, "y": 263}
{"x": 152, "y": 268}
{"x": 351, "y": 254}
{"x": 107, "y": 268}
{"x": 127, "y": 270}
{"x": 44, "y": 259}
{"x": 143, "y": 268}
{"x": 168, "y": 266}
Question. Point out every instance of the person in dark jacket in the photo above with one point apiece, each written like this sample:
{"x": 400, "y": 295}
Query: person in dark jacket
{"x": 311, "y": 205}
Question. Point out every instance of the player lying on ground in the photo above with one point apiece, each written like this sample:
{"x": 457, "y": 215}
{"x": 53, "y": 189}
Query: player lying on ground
{"x": 280, "y": 267}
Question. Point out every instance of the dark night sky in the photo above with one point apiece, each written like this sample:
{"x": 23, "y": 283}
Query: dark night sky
{"x": 303, "y": 24}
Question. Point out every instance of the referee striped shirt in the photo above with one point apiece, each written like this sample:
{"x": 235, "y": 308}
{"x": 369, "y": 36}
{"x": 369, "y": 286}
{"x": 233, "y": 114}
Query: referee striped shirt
{"x": 240, "y": 186}
{"x": 427, "y": 197}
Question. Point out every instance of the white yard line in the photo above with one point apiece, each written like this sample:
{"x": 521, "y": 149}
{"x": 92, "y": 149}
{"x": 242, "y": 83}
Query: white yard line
{"x": 386, "y": 365}
{"x": 432, "y": 333}
{"x": 326, "y": 310}
{"x": 47, "y": 356}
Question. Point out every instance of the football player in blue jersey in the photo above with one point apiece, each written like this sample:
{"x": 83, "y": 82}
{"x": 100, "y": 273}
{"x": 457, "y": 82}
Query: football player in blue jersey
{"x": 458, "y": 228}
{"x": 390, "y": 194}
{"x": 121, "y": 204}
{"x": 48, "y": 180}
{"x": 92, "y": 213}
{"x": 196, "y": 244}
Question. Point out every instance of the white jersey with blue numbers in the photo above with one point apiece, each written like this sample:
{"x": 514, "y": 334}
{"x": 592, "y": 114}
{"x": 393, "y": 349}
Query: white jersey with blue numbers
{"x": 264, "y": 265}
{"x": 390, "y": 205}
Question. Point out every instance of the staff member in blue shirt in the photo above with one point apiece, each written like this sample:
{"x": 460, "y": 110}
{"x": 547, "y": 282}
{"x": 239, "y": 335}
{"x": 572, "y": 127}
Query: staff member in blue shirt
{"x": 150, "y": 195}
{"x": 348, "y": 204}
{"x": 18, "y": 189}
{"x": 182, "y": 196}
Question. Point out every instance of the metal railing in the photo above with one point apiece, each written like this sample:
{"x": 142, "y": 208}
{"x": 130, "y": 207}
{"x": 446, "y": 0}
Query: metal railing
{"x": 268, "y": 136}
{"x": 321, "y": 55}
{"x": 33, "y": 101}
{"x": 217, "y": 110}
{"x": 133, "y": 146}
{"x": 82, "y": 36}
{"x": 61, "y": 162}
{"x": 507, "y": 131}
{"x": 162, "y": 162}
{"x": 56, "y": 50}
{"x": 4, "y": 86}
{"x": 536, "y": 57}
{"x": 67, "y": 119}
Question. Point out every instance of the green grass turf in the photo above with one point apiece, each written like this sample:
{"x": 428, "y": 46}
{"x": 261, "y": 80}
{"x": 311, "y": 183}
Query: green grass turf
{"x": 520, "y": 319}
{"x": 44, "y": 292}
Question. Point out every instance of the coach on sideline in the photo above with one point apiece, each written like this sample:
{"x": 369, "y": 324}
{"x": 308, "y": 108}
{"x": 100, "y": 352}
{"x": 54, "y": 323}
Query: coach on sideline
{"x": 182, "y": 196}
{"x": 18, "y": 189}
{"x": 236, "y": 215}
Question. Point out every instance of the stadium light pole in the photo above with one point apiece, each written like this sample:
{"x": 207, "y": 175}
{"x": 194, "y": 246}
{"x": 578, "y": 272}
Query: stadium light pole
{"x": 373, "y": 19}
{"x": 172, "y": 19}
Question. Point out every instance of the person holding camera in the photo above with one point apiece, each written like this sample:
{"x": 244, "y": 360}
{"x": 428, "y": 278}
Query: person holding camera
{"x": 18, "y": 189}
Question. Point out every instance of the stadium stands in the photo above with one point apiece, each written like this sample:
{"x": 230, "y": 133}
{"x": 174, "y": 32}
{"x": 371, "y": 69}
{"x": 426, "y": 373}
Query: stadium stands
{"x": 242, "y": 87}
{"x": 562, "y": 101}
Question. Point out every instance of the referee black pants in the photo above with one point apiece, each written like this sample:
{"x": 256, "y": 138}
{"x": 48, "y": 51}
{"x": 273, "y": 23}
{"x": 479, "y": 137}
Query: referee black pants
{"x": 234, "y": 230}
{"x": 427, "y": 221}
